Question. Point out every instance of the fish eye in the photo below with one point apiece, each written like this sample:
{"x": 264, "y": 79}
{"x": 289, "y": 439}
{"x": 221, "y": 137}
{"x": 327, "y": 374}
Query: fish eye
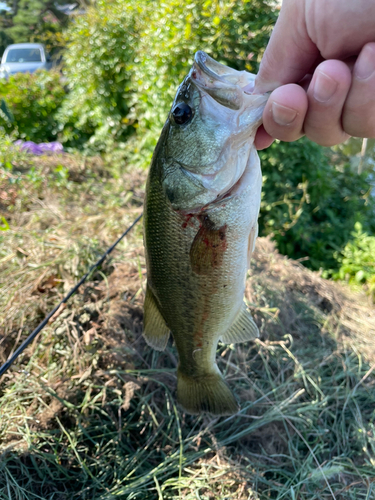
{"x": 182, "y": 113}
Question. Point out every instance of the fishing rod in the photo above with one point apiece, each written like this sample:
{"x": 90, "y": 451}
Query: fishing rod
{"x": 41, "y": 325}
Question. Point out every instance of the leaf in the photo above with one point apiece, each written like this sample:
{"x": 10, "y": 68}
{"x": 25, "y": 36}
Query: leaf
{"x": 5, "y": 112}
{"x": 359, "y": 276}
{"x": 187, "y": 30}
{"x": 5, "y": 225}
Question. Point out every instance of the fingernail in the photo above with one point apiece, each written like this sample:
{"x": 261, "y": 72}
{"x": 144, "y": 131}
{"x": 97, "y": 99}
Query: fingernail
{"x": 365, "y": 65}
{"x": 282, "y": 115}
{"x": 324, "y": 87}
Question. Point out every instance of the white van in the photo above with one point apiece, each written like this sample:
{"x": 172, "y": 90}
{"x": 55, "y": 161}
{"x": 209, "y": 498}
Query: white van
{"x": 24, "y": 58}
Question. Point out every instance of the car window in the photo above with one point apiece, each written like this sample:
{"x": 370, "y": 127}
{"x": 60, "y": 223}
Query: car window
{"x": 24, "y": 55}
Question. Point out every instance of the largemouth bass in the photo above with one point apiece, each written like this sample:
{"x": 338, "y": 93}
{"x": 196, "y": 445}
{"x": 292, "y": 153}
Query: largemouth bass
{"x": 200, "y": 225}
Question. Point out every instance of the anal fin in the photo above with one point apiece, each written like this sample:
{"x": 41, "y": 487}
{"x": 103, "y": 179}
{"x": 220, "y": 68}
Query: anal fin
{"x": 243, "y": 328}
{"x": 155, "y": 331}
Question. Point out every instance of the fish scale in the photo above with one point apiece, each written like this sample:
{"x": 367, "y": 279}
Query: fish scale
{"x": 197, "y": 256}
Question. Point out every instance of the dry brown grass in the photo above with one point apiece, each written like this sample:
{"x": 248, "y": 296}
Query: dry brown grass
{"x": 91, "y": 409}
{"x": 348, "y": 313}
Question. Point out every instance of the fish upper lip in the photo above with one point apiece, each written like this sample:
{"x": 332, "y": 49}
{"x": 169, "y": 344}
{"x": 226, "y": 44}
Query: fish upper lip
{"x": 228, "y": 77}
{"x": 201, "y": 58}
{"x": 208, "y": 65}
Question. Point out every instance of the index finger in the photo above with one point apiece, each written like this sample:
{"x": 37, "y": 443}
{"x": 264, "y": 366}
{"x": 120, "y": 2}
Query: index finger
{"x": 290, "y": 52}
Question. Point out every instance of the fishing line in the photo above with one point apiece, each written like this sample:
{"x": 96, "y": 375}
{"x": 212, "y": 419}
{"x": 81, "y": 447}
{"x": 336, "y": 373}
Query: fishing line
{"x": 41, "y": 325}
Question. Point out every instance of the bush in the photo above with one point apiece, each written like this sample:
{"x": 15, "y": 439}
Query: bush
{"x": 357, "y": 261}
{"x": 99, "y": 61}
{"x": 311, "y": 201}
{"x": 125, "y": 60}
{"x": 234, "y": 33}
{"x": 33, "y": 100}
{"x": 10, "y": 156}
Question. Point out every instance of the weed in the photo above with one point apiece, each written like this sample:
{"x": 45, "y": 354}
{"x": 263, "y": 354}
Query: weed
{"x": 89, "y": 410}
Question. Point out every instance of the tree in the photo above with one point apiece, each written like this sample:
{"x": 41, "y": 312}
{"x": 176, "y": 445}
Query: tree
{"x": 34, "y": 21}
{"x": 5, "y": 22}
{"x": 5, "y": 40}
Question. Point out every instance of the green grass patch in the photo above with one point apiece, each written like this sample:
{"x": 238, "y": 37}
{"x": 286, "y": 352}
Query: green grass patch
{"x": 89, "y": 411}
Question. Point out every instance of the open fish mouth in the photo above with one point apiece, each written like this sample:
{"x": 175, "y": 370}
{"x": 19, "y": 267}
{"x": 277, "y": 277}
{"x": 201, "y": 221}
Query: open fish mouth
{"x": 226, "y": 85}
{"x": 218, "y": 71}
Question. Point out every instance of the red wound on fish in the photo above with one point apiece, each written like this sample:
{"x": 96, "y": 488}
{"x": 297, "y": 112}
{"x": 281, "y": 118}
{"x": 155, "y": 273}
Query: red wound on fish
{"x": 208, "y": 247}
{"x": 188, "y": 221}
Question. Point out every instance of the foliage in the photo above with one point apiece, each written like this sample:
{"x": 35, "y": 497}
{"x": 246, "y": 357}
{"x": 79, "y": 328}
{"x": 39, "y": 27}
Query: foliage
{"x": 33, "y": 100}
{"x": 357, "y": 260}
{"x": 5, "y": 40}
{"x": 6, "y": 115}
{"x": 5, "y": 23}
{"x": 35, "y": 21}
{"x": 98, "y": 65}
{"x": 311, "y": 201}
{"x": 126, "y": 60}
{"x": 52, "y": 36}
{"x": 10, "y": 156}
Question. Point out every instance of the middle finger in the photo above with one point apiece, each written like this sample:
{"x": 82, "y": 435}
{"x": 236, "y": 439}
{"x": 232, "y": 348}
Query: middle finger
{"x": 326, "y": 94}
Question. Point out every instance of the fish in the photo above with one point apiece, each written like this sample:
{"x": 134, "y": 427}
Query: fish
{"x": 201, "y": 209}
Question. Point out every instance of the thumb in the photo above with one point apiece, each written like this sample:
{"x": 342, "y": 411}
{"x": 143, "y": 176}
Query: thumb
{"x": 290, "y": 53}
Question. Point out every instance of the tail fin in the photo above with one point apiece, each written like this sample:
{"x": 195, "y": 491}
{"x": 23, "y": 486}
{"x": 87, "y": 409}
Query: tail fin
{"x": 208, "y": 393}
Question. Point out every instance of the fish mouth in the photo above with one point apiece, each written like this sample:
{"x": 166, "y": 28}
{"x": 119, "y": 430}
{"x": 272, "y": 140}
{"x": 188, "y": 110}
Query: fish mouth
{"x": 226, "y": 85}
{"x": 219, "y": 95}
{"x": 218, "y": 71}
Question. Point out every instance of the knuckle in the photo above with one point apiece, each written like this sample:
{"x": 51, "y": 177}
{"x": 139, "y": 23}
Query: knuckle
{"x": 326, "y": 137}
{"x": 359, "y": 124}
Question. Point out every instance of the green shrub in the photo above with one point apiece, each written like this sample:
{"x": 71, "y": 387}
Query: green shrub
{"x": 234, "y": 33}
{"x": 33, "y": 100}
{"x": 357, "y": 261}
{"x": 99, "y": 61}
{"x": 10, "y": 156}
{"x": 311, "y": 201}
{"x": 125, "y": 60}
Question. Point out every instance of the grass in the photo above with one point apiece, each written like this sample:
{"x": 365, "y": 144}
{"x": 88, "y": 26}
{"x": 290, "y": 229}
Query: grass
{"x": 89, "y": 411}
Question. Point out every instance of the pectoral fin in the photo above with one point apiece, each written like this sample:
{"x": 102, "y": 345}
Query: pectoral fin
{"x": 243, "y": 328}
{"x": 155, "y": 331}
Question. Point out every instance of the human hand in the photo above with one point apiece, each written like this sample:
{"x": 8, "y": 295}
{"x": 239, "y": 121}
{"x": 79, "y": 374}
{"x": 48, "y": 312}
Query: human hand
{"x": 320, "y": 65}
